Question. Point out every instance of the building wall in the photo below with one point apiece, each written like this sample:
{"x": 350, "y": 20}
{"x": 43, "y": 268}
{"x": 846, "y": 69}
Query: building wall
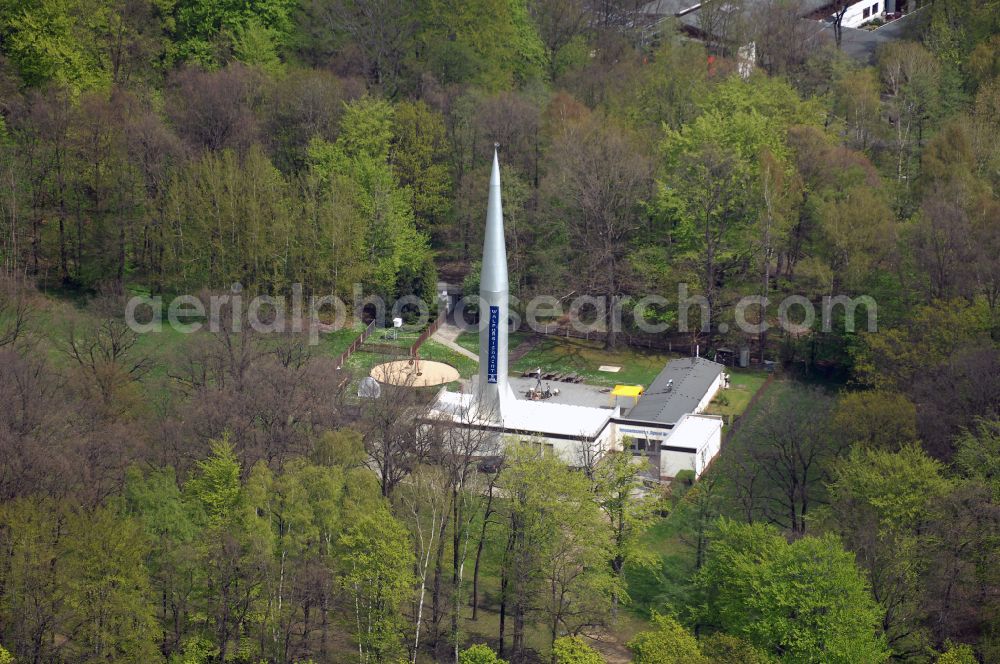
{"x": 855, "y": 15}
{"x": 710, "y": 394}
{"x": 708, "y": 451}
{"x": 672, "y": 463}
{"x": 571, "y": 452}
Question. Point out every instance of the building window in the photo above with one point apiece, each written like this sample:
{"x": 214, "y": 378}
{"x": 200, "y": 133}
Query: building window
{"x": 643, "y": 447}
{"x": 866, "y": 13}
{"x": 545, "y": 449}
{"x": 875, "y": 9}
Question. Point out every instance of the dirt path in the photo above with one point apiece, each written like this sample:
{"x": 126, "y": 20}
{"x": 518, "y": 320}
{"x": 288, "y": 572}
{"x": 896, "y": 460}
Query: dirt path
{"x": 524, "y": 348}
{"x": 610, "y": 647}
{"x": 446, "y": 335}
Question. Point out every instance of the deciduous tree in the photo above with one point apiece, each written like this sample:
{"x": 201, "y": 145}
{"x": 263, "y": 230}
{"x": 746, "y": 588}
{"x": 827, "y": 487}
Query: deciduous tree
{"x": 803, "y": 601}
{"x": 881, "y": 503}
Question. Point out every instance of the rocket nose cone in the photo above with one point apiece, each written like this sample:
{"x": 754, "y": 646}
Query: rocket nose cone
{"x": 494, "y": 268}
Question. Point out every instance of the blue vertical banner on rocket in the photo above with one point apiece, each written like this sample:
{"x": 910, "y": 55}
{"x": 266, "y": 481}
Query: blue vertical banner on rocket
{"x": 494, "y": 332}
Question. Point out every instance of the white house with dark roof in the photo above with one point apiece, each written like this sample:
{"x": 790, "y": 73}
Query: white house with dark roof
{"x": 667, "y": 424}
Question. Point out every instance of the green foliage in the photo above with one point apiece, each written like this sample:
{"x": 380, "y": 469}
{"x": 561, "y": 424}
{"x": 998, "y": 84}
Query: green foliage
{"x": 80, "y": 572}
{"x": 572, "y": 650}
{"x": 722, "y": 648}
{"x": 51, "y": 41}
{"x": 257, "y": 45}
{"x": 669, "y": 89}
{"x": 573, "y": 55}
{"x": 957, "y": 653}
{"x": 206, "y": 30}
{"x": 419, "y": 160}
{"x": 899, "y": 487}
{"x": 156, "y": 500}
{"x": 195, "y": 650}
{"x": 397, "y": 254}
{"x": 559, "y": 547}
{"x": 805, "y": 601}
{"x": 226, "y": 547}
{"x": 667, "y": 643}
{"x": 978, "y": 455}
{"x": 216, "y": 485}
{"x": 881, "y": 503}
{"x": 479, "y": 654}
{"x": 343, "y": 447}
{"x": 367, "y": 129}
{"x": 771, "y": 97}
{"x": 107, "y": 588}
{"x": 617, "y": 480}
{"x": 378, "y": 575}
{"x": 227, "y": 218}
{"x": 894, "y": 355}
{"x": 879, "y": 420}
{"x": 746, "y": 118}
{"x": 727, "y": 179}
{"x": 492, "y": 43}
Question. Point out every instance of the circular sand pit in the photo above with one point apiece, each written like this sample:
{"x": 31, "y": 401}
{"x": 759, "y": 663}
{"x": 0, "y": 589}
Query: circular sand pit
{"x": 424, "y": 373}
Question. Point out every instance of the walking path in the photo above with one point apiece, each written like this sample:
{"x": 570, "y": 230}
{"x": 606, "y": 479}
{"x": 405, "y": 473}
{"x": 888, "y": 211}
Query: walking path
{"x": 446, "y": 335}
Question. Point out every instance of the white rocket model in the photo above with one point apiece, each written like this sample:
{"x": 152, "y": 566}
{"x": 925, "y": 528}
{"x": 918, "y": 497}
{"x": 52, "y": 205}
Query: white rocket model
{"x": 494, "y": 292}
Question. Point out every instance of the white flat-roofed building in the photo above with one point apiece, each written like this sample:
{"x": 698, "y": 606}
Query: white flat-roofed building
{"x": 568, "y": 431}
{"x": 691, "y": 445}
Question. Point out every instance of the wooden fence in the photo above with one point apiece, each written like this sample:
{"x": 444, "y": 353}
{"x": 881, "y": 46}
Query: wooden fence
{"x": 391, "y": 350}
{"x": 387, "y": 349}
{"x": 355, "y": 345}
{"x": 426, "y": 334}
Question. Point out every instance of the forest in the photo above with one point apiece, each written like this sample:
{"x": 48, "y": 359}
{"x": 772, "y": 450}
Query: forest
{"x": 225, "y": 497}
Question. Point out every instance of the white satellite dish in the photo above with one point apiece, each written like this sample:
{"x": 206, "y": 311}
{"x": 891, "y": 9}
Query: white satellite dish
{"x": 369, "y": 388}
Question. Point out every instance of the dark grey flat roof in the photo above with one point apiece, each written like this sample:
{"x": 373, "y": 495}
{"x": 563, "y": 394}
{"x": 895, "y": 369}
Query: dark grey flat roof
{"x": 666, "y": 403}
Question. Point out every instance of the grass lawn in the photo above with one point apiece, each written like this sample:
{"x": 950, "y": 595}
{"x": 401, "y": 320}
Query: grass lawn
{"x": 470, "y": 340}
{"x": 334, "y": 343}
{"x": 780, "y": 396}
{"x": 663, "y": 586}
{"x": 743, "y": 384}
{"x": 361, "y": 363}
{"x": 583, "y": 357}
{"x": 393, "y": 337}
{"x": 50, "y": 323}
{"x": 432, "y": 350}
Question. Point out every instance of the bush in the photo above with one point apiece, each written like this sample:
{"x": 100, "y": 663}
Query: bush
{"x": 572, "y": 650}
{"x": 668, "y": 643}
{"x": 479, "y": 654}
{"x": 957, "y": 653}
{"x": 722, "y": 648}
